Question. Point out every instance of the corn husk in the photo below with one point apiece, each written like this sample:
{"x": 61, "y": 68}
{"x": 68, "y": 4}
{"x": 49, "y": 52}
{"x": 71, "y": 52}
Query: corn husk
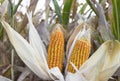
{"x": 32, "y": 54}
{"x": 77, "y": 30}
{"x": 82, "y": 31}
{"x": 26, "y": 52}
{"x": 101, "y": 65}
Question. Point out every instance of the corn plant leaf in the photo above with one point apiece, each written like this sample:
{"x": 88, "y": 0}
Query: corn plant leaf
{"x": 4, "y": 78}
{"x": 92, "y": 6}
{"x": 1, "y": 1}
{"x": 57, "y": 10}
{"x": 1, "y": 32}
{"x": 109, "y": 59}
{"x": 16, "y": 7}
{"x": 26, "y": 52}
{"x": 102, "y": 64}
{"x": 66, "y": 12}
{"x": 75, "y": 6}
{"x": 32, "y": 6}
{"x": 24, "y": 74}
{"x": 43, "y": 32}
{"x": 37, "y": 44}
{"x": 116, "y": 18}
{"x": 102, "y": 24}
{"x": 83, "y": 8}
{"x": 3, "y": 8}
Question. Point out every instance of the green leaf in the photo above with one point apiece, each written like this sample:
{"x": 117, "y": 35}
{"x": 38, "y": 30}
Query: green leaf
{"x": 1, "y": 32}
{"x": 10, "y": 11}
{"x": 116, "y": 18}
{"x": 83, "y": 8}
{"x": 92, "y": 6}
{"x": 66, "y": 12}
{"x": 1, "y": 1}
{"x": 57, "y": 10}
{"x": 16, "y": 7}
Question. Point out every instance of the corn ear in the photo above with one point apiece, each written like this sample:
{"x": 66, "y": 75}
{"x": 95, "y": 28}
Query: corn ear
{"x": 56, "y": 49}
{"x": 75, "y": 33}
{"x": 79, "y": 54}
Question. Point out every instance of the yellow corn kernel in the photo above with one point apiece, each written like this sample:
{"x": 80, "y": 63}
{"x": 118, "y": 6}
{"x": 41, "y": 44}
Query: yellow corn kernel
{"x": 56, "y": 50}
{"x": 79, "y": 54}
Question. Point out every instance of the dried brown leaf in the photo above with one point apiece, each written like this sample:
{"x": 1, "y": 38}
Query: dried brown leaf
{"x": 24, "y": 23}
{"x": 32, "y": 6}
{"x": 74, "y": 8}
{"x": 36, "y": 18}
{"x": 43, "y": 32}
{"x": 3, "y": 55}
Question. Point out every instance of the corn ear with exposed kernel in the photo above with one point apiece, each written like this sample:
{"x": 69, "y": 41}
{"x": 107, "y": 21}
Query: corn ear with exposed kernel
{"x": 79, "y": 54}
{"x": 56, "y": 48}
{"x": 79, "y": 49}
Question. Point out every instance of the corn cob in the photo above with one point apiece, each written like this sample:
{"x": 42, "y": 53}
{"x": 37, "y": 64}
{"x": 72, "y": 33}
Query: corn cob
{"x": 56, "y": 49}
{"x": 79, "y": 54}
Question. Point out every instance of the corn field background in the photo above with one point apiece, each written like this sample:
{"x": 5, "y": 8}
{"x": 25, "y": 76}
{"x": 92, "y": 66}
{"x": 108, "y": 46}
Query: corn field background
{"x": 102, "y": 15}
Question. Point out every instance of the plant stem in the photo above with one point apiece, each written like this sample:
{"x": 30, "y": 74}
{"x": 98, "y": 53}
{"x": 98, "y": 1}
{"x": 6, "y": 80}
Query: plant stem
{"x": 12, "y": 65}
{"x": 11, "y": 12}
